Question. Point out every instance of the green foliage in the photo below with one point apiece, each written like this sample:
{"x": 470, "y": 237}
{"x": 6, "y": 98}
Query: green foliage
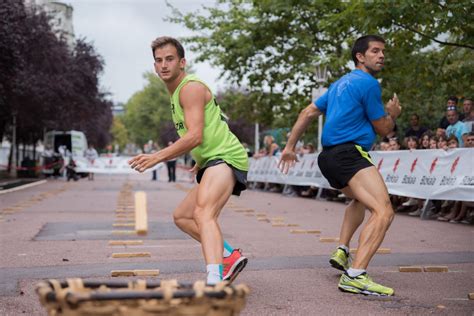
{"x": 147, "y": 110}
{"x": 119, "y": 132}
{"x": 272, "y": 48}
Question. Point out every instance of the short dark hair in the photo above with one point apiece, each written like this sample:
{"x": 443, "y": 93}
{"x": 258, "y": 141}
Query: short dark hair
{"x": 361, "y": 45}
{"x": 165, "y": 40}
{"x": 453, "y": 98}
{"x": 416, "y": 115}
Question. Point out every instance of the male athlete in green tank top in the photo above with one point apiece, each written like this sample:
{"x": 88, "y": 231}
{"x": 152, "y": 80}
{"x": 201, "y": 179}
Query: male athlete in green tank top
{"x": 221, "y": 161}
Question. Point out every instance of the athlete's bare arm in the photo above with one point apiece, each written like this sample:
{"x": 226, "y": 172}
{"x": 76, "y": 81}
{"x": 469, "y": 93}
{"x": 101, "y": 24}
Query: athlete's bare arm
{"x": 288, "y": 156}
{"x": 386, "y": 124}
{"x": 193, "y": 97}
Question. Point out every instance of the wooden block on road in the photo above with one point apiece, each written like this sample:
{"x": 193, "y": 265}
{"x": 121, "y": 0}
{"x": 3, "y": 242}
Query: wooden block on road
{"x": 435, "y": 269}
{"x": 123, "y": 225}
{"x": 261, "y": 214}
{"x": 244, "y": 210}
{"x": 293, "y": 225}
{"x": 126, "y": 273}
{"x": 263, "y": 220}
{"x": 141, "y": 216}
{"x": 124, "y": 232}
{"x": 278, "y": 218}
{"x": 379, "y": 251}
{"x": 328, "y": 239}
{"x": 146, "y": 272}
{"x": 313, "y": 231}
{"x": 278, "y": 225}
{"x": 121, "y": 273}
{"x": 131, "y": 254}
{"x": 410, "y": 269}
{"x": 125, "y": 242}
{"x": 471, "y": 296}
{"x": 298, "y": 231}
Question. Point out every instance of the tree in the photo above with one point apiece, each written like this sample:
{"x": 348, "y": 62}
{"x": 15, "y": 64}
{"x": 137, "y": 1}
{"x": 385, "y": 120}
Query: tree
{"x": 274, "y": 46}
{"x": 45, "y": 84}
{"x": 147, "y": 110}
{"x": 119, "y": 132}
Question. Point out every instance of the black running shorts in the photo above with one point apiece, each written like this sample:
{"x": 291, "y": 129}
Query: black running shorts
{"x": 340, "y": 163}
{"x": 240, "y": 175}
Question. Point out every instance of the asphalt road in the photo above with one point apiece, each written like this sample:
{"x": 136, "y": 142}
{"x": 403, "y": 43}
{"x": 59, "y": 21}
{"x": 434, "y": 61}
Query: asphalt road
{"x": 61, "y": 230}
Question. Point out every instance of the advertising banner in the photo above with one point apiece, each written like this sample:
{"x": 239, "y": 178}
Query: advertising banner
{"x": 425, "y": 174}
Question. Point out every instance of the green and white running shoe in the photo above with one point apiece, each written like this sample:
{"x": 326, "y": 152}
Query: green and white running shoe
{"x": 363, "y": 284}
{"x": 340, "y": 259}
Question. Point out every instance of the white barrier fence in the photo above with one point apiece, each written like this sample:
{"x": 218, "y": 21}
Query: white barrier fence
{"x": 108, "y": 165}
{"x": 425, "y": 174}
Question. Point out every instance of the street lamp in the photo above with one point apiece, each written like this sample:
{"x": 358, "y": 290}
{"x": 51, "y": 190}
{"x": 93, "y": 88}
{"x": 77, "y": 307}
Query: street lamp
{"x": 321, "y": 76}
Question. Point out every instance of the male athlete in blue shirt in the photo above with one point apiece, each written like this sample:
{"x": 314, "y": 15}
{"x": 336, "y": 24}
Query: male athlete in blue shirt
{"x": 354, "y": 114}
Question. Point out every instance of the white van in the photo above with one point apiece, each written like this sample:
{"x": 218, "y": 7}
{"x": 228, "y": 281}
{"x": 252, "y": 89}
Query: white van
{"x": 59, "y": 146}
{"x": 74, "y": 141}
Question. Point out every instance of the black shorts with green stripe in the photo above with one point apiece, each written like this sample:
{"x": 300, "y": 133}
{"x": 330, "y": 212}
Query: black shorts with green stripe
{"x": 341, "y": 162}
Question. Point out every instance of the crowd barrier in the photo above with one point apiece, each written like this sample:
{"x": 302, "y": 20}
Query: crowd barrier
{"x": 108, "y": 165}
{"x": 425, "y": 174}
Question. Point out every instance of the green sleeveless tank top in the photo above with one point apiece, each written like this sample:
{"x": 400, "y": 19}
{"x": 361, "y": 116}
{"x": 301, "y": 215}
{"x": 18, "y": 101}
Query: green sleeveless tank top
{"x": 218, "y": 141}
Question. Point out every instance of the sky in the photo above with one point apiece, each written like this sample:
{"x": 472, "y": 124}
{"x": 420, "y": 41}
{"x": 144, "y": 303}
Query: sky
{"x": 122, "y": 31}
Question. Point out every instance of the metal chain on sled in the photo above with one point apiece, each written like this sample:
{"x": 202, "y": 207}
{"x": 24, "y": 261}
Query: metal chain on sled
{"x": 78, "y": 298}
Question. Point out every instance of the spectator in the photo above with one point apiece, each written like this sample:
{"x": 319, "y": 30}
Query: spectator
{"x": 394, "y": 143}
{"x": 171, "y": 165}
{"x": 433, "y": 142}
{"x": 469, "y": 119}
{"x": 469, "y": 140}
{"x": 442, "y": 142}
{"x": 453, "y": 142}
{"x": 412, "y": 142}
{"x": 91, "y": 155}
{"x": 444, "y": 123}
{"x": 272, "y": 148}
{"x": 468, "y": 110}
{"x": 455, "y": 127}
{"x": 415, "y": 128}
{"x": 425, "y": 141}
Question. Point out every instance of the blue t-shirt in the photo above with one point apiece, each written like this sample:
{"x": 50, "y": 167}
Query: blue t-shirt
{"x": 350, "y": 104}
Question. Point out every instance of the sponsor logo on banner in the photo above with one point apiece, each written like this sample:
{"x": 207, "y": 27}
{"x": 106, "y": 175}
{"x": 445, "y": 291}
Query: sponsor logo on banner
{"x": 393, "y": 178}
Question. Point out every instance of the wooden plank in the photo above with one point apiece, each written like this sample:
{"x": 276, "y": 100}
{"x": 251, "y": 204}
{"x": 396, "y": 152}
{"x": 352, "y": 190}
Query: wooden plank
{"x": 141, "y": 217}
{"x": 435, "y": 269}
{"x": 471, "y": 296}
{"x": 124, "y": 232}
{"x": 313, "y": 231}
{"x": 410, "y": 269}
{"x": 121, "y": 273}
{"x": 278, "y": 225}
{"x": 293, "y": 225}
{"x": 155, "y": 272}
{"x": 328, "y": 239}
{"x": 379, "y": 251}
{"x": 125, "y": 242}
{"x": 131, "y": 254}
{"x": 123, "y": 225}
{"x": 298, "y": 231}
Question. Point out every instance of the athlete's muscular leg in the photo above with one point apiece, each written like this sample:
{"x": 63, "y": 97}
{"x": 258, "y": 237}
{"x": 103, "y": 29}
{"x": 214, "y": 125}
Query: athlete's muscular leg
{"x": 213, "y": 192}
{"x": 353, "y": 218}
{"x": 183, "y": 214}
{"x": 367, "y": 186}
